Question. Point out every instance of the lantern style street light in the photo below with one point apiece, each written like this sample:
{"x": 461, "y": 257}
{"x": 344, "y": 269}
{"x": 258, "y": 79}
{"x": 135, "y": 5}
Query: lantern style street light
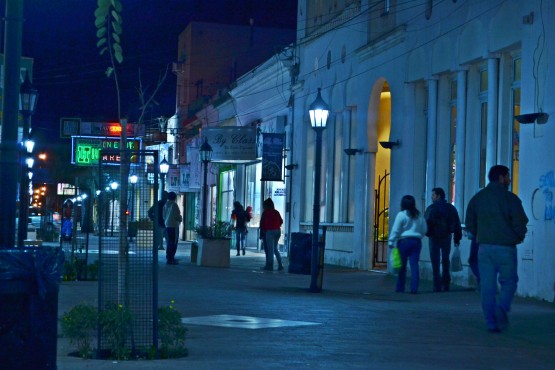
{"x": 319, "y": 112}
{"x": 206, "y": 157}
{"x": 133, "y": 180}
{"x": 28, "y": 96}
{"x": 164, "y": 167}
{"x": 113, "y": 185}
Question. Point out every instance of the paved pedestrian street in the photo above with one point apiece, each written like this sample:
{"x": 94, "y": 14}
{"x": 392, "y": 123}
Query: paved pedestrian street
{"x": 243, "y": 318}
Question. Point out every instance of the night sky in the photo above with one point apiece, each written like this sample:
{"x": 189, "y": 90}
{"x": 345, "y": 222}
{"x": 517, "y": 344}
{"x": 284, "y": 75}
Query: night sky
{"x": 70, "y": 74}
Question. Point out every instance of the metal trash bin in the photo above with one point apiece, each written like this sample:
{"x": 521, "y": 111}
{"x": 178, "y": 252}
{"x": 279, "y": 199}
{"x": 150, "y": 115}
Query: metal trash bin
{"x": 29, "y": 285}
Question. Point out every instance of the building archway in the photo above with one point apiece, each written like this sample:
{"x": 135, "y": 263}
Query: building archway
{"x": 379, "y": 127}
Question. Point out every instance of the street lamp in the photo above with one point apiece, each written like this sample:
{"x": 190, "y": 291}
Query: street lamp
{"x": 205, "y": 153}
{"x": 319, "y": 112}
{"x": 28, "y": 96}
{"x": 164, "y": 168}
{"x": 133, "y": 180}
{"x": 113, "y": 185}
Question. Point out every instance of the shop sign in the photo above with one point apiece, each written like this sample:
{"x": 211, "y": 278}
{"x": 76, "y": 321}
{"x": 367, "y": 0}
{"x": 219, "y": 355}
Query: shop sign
{"x": 231, "y": 144}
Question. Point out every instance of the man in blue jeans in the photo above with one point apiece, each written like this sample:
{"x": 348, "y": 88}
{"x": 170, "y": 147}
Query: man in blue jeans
{"x": 443, "y": 222}
{"x": 496, "y": 218}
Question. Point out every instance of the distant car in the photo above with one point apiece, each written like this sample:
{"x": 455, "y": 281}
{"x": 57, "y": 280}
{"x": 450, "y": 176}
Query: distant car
{"x": 31, "y": 229}
{"x": 45, "y": 221}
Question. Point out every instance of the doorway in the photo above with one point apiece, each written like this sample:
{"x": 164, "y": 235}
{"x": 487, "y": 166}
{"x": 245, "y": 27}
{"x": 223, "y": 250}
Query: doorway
{"x": 381, "y": 180}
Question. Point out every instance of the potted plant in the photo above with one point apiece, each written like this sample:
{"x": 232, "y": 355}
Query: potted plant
{"x": 220, "y": 230}
{"x": 214, "y": 244}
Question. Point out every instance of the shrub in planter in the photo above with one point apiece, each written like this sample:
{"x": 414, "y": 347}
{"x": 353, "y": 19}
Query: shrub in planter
{"x": 77, "y": 270}
{"x": 145, "y": 224}
{"x": 79, "y": 325}
{"x": 116, "y": 322}
{"x": 219, "y": 230}
{"x": 171, "y": 333}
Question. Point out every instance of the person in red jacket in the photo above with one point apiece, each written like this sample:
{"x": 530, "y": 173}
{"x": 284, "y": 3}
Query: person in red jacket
{"x": 270, "y": 231}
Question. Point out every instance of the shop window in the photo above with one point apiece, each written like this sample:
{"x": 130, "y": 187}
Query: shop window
{"x": 515, "y": 96}
{"x": 483, "y": 97}
{"x": 452, "y": 142}
{"x": 253, "y": 190}
{"x": 483, "y": 141}
{"x": 227, "y": 179}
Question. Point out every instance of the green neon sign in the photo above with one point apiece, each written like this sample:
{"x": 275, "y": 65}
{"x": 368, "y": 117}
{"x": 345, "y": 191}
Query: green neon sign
{"x": 86, "y": 150}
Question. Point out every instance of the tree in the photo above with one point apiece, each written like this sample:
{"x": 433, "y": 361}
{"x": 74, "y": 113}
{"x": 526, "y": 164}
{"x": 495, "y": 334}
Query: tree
{"x": 108, "y": 22}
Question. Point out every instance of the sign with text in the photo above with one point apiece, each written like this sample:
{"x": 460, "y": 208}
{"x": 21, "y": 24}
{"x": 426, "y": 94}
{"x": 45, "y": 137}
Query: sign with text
{"x": 69, "y": 127}
{"x": 173, "y": 179}
{"x": 86, "y": 150}
{"x": 110, "y": 129}
{"x": 272, "y": 157}
{"x": 231, "y": 144}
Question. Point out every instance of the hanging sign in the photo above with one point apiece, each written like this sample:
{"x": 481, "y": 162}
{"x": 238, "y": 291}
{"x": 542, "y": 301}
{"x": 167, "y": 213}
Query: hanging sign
{"x": 231, "y": 144}
{"x": 272, "y": 157}
{"x": 172, "y": 180}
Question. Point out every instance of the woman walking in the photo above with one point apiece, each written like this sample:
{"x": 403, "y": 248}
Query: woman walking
{"x": 241, "y": 217}
{"x": 270, "y": 231}
{"x": 407, "y": 233}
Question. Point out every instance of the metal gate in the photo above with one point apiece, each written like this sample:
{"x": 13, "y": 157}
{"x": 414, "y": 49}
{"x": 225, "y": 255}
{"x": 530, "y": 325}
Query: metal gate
{"x": 381, "y": 221}
{"x": 128, "y": 261}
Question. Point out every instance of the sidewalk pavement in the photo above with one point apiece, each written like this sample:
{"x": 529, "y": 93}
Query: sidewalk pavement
{"x": 268, "y": 320}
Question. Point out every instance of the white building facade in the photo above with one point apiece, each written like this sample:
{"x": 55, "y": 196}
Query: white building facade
{"x": 441, "y": 82}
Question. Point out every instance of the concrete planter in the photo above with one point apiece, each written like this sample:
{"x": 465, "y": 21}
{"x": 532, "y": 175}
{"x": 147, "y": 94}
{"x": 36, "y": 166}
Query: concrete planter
{"x": 213, "y": 252}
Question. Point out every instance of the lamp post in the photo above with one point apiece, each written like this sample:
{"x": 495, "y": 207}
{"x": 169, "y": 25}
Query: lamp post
{"x": 113, "y": 185}
{"x": 164, "y": 167}
{"x": 133, "y": 181}
{"x": 319, "y": 112}
{"x": 206, "y": 157}
{"x": 28, "y": 96}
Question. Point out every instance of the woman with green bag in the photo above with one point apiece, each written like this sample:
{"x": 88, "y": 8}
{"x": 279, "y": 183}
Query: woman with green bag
{"x": 406, "y": 235}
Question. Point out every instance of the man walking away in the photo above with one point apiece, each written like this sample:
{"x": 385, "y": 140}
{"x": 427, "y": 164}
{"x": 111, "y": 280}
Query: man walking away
{"x": 496, "y": 218}
{"x": 172, "y": 219}
{"x": 443, "y": 222}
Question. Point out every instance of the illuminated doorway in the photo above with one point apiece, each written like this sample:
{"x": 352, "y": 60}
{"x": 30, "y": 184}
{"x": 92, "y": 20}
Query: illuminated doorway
{"x": 381, "y": 182}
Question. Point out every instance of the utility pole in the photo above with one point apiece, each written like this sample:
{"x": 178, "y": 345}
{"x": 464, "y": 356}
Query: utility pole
{"x": 9, "y": 150}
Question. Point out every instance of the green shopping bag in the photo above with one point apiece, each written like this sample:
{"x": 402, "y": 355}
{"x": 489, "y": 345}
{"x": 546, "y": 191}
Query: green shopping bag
{"x": 395, "y": 259}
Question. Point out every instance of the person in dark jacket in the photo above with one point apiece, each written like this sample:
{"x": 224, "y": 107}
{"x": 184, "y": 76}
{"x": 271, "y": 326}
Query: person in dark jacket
{"x": 160, "y": 228}
{"x": 496, "y": 218}
{"x": 270, "y": 231}
{"x": 443, "y": 224}
{"x": 241, "y": 217}
{"x": 172, "y": 219}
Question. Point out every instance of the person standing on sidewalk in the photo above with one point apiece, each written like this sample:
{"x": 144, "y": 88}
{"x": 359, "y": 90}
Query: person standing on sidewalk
{"x": 443, "y": 223}
{"x": 172, "y": 219}
{"x": 270, "y": 231}
{"x": 496, "y": 218}
{"x": 241, "y": 217}
{"x": 160, "y": 227}
{"x": 406, "y": 234}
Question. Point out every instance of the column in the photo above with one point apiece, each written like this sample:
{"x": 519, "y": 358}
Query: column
{"x": 431, "y": 136}
{"x": 460, "y": 141}
{"x": 493, "y": 94}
